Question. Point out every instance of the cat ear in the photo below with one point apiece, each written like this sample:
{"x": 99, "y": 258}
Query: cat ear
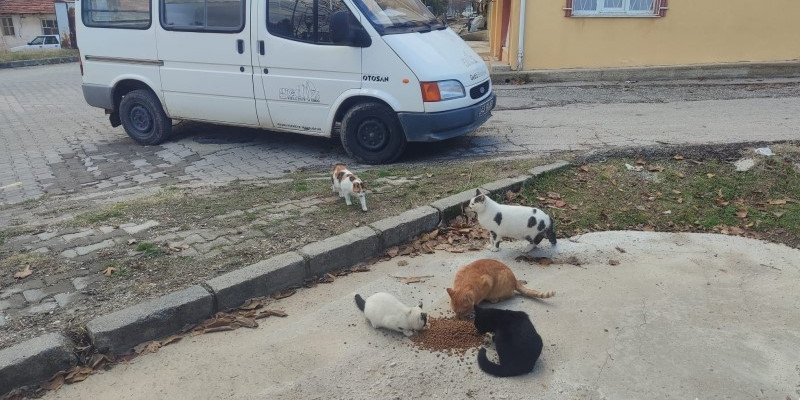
{"x": 352, "y": 178}
{"x": 450, "y": 292}
{"x": 477, "y": 192}
{"x": 420, "y": 304}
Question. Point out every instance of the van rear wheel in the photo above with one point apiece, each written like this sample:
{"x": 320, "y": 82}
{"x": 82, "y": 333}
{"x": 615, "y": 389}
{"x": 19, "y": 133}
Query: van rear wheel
{"x": 143, "y": 117}
{"x": 372, "y": 134}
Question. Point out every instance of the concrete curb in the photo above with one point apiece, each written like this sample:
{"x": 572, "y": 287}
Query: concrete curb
{"x": 34, "y": 361}
{"x": 340, "y": 251}
{"x": 402, "y": 228}
{"x": 256, "y": 280}
{"x": 657, "y": 73}
{"x": 119, "y": 332}
{"x": 40, "y": 61}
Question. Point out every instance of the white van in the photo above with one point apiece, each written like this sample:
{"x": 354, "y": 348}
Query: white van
{"x": 379, "y": 73}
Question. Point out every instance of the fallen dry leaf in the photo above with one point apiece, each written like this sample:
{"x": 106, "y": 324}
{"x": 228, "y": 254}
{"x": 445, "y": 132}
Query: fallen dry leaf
{"x": 26, "y": 272}
{"x": 677, "y": 157}
{"x": 412, "y": 279}
{"x": 721, "y": 202}
{"x": 640, "y": 161}
{"x": 284, "y": 294}
{"x": 109, "y": 271}
{"x": 402, "y": 263}
{"x": 584, "y": 168}
{"x": 777, "y": 202}
{"x": 392, "y": 252}
{"x": 55, "y": 382}
{"x": 560, "y": 203}
{"x": 613, "y": 262}
{"x": 171, "y": 339}
{"x": 741, "y": 213}
{"x": 132, "y": 241}
{"x": 620, "y": 249}
{"x": 655, "y": 168}
{"x": 680, "y": 175}
{"x": 778, "y": 214}
{"x": 534, "y": 260}
{"x": 709, "y": 175}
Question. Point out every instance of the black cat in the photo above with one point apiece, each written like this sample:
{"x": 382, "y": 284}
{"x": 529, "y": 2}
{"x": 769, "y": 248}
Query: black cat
{"x": 517, "y": 343}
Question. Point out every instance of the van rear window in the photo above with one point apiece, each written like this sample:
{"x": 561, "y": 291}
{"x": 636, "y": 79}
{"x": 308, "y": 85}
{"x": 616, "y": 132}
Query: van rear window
{"x": 203, "y": 15}
{"x": 123, "y": 14}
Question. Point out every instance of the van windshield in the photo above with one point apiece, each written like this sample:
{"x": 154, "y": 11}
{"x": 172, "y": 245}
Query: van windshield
{"x": 399, "y": 16}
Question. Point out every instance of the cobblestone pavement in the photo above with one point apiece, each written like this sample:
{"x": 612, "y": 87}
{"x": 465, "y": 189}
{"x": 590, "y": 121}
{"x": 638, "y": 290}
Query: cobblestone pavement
{"x": 53, "y": 142}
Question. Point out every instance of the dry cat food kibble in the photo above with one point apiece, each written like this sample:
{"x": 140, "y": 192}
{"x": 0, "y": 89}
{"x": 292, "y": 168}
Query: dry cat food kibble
{"x": 448, "y": 335}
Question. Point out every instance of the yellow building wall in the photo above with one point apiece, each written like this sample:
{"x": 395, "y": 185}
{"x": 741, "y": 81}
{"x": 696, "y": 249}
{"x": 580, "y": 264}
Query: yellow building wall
{"x": 692, "y": 32}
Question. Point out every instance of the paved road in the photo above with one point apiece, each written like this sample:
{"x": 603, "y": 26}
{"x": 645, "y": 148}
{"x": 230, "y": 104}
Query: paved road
{"x": 52, "y": 142}
{"x": 681, "y": 316}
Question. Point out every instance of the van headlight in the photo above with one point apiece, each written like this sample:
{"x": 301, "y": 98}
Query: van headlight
{"x": 442, "y": 90}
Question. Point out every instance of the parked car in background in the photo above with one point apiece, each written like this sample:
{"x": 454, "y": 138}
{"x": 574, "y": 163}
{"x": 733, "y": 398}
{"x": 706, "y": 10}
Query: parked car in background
{"x": 41, "y": 42}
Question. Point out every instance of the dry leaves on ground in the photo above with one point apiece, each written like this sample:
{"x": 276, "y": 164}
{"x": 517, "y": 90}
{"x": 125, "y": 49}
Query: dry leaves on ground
{"x": 109, "y": 271}
{"x": 24, "y": 273}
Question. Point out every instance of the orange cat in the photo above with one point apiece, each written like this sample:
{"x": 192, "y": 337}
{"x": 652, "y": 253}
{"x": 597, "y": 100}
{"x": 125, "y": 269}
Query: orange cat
{"x": 486, "y": 279}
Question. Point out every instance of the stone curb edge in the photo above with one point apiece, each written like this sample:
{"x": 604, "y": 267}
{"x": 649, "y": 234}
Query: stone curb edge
{"x": 118, "y": 332}
{"x": 39, "y": 61}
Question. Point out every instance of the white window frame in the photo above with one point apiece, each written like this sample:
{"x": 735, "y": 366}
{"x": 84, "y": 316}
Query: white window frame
{"x": 624, "y": 11}
{"x": 45, "y": 22}
{"x": 6, "y": 27}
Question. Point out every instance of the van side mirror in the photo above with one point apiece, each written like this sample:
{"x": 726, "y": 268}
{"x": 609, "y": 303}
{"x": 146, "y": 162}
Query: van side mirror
{"x": 347, "y": 31}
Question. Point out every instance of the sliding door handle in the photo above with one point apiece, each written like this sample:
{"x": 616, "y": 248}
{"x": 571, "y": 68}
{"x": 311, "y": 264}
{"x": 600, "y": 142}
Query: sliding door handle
{"x": 261, "y": 47}
{"x": 240, "y": 46}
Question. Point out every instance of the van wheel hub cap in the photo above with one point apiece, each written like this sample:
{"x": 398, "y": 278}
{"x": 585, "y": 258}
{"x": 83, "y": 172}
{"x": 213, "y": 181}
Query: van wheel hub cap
{"x": 373, "y": 135}
{"x": 140, "y": 118}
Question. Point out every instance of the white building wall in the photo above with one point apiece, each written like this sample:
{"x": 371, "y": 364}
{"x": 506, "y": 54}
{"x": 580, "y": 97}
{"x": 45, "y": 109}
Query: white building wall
{"x": 26, "y": 27}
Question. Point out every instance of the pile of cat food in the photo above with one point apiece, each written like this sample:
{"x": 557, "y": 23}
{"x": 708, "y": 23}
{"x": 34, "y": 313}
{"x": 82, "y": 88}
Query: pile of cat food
{"x": 449, "y": 335}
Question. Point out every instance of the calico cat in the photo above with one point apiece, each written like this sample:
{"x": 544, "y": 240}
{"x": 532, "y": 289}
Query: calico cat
{"x": 515, "y": 222}
{"x": 517, "y": 343}
{"x": 384, "y": 311}
{"x": 486, "y": 279}
{"x": 345, "y": 183}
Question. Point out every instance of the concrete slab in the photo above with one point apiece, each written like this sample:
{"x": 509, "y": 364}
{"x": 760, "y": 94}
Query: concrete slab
{"x": 680, "y": 316}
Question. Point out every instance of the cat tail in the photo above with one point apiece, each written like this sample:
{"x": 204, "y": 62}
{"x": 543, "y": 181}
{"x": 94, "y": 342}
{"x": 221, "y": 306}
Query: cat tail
{"x": 550, "y": 232}
{"x": 360, "y": 302}
{"x": 533, "y": 292}
{"x": 494, "y": 369}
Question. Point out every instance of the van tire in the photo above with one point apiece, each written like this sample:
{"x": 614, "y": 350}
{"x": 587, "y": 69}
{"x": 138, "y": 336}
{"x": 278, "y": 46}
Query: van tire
{"x": 143, "y": 117}
{"x": 372, "y": 134}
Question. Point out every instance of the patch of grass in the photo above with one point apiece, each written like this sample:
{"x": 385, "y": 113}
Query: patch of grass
{"x": 36, "y": 55}
{"x": 673, "y": 195}
{"x": 115, "y": 211}
{"x": 149, "y": 249}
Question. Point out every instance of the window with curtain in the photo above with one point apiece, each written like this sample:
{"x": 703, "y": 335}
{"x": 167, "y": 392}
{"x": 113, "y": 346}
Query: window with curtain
{"x": 614, "y": 7}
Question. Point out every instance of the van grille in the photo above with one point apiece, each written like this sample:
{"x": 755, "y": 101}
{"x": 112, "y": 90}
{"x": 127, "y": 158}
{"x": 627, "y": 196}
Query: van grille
{"x": 479, "y": 91}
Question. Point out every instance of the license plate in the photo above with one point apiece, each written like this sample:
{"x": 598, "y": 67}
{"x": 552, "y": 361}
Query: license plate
{"x": 485, "y": 108}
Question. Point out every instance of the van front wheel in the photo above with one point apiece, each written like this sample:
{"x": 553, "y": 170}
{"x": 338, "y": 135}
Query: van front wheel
{"x": 372, "y": 134}
{"x": 143, "y": 117}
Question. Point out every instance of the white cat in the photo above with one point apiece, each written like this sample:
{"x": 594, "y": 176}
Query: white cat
{"x": 345, "y": 183}
{"x": 384, "y": 311}
{"x": 514, "y": 222}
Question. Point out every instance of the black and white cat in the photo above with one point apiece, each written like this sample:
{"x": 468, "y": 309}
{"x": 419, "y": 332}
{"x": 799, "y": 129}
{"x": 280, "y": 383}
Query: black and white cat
{"x": 514, "y": 222}
{"x": 384, "y": 311}
{"x": 515, "y": 339}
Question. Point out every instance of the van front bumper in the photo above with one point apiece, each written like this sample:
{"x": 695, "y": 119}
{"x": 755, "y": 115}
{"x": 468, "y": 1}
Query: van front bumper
{"x": 432, "y": 127}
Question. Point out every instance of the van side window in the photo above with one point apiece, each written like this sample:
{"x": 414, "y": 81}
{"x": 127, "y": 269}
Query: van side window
{"x": 124, "y": 14}
{"x": 203, "y": 15}
{"x": 303, "y": 20}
